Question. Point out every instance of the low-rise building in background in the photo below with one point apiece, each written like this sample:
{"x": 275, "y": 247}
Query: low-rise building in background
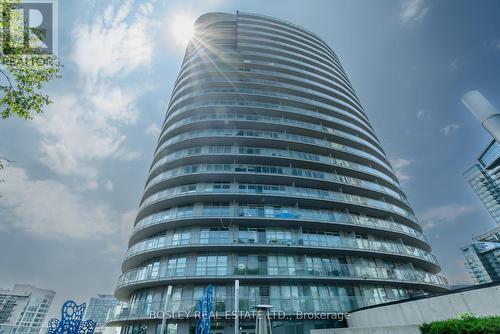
{"x": 23, "y": 309}
{"x": 97, "y": 310}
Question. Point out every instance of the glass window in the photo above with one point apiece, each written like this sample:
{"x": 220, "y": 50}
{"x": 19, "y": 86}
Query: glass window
{"x": 248, "y": 235}
{"x": 180, "y": 237}
{"x": 214, "y": 265}
{"x": 216, "y": 209}
{"x": 176, "y": 266}
{"x": 188, "y": 188}
{"x": 278, "y": 236}
{"x": 221, "y": 186}
{"x": 185, "y": 210}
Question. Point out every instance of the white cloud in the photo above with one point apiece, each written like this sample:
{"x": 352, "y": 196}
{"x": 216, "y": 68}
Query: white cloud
{"x": 399, "y": 165}
{"x": 123, "y": 232}
{"x": 127, "y": 222}
{"x": 84, "y": 127}
{"x": 49, "y": 209}
{"x": 412, "y": 11}
{"x": 125, "y": 154}
{"x": 146, "y": 8}
{"x": 75, "y": 135}
{"x": 450, "y": 129}
{"x": 444, "y": 214}
{"x": 153, "y": 130}
{"x": 114, "y": 43}
{"x": 115, "y": 103}
{"x": 424, "y": 114}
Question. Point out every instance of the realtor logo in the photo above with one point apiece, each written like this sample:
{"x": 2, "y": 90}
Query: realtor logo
{"x": 29, "y": 27}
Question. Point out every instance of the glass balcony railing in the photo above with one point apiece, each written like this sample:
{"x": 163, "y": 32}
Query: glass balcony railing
{"x": 279, "y": 68}
{"x": 291, "y": 31}
{"x": 271, "y": 106}
{"x": 260, "y": 45}
{"x": 251, "y": 94}
{"x": 331, "y": 242}
{"x": 221, "y": 304}
{"x": 274, "y": 136}
{"x": 276, "y": 72}
{"x": 274, "y": 190}
{"x": 341, "y": 271}
{"x": 272, "y": 170}
{"x": 303, "y": 46}
{"x": 291, "y": 97}
{"x": 289, "y": 213}
{"x": 280, "y": 57}
{"x": 270, "y": 152}
{"x": 263, "y": 92}
{"x": 198, "y": 70}
{"x": 267, "y": 120}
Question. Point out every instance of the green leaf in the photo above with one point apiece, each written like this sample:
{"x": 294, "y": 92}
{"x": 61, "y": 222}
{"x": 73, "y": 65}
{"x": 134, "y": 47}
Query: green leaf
{"x": 24, "y": 72}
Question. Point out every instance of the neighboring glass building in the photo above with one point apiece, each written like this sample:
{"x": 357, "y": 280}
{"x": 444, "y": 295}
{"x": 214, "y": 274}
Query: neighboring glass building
{"x": 98, "y": 307}
{"x": 23, "y": 309}
{"x": 482, "y": 257}
{"x": 267, "y": 171}
{"x": 484, "y": 179}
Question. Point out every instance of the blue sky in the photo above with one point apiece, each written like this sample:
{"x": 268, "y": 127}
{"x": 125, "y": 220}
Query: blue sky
{"x": 70, "y": 195}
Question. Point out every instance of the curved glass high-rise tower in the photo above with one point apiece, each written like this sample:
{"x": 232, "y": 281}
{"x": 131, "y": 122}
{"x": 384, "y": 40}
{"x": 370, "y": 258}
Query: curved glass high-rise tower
{"x": 267, "y": 171}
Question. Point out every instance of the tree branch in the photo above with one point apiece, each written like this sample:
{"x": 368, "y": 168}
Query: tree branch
{"x": 7, "y": 77}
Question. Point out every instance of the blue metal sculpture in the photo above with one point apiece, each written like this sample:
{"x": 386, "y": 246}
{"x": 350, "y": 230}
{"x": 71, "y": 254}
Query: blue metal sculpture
{"x": 205, "y": 310}
{"x": 143, "y": 329}
{"x": 71, "y": 320}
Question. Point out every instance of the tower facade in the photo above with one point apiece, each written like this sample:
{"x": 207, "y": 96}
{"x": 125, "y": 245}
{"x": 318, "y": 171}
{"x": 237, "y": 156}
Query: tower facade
{"x": 267, "y": 176}
{"x": 484, "y": 179}
{"x": 23, "y": 309}
{"x": 98, "y": 308}
{"x": 482, "y": 257}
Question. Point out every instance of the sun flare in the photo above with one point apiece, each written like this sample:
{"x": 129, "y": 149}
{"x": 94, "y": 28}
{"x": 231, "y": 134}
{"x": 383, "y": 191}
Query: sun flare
{"x": 182, "y": 29}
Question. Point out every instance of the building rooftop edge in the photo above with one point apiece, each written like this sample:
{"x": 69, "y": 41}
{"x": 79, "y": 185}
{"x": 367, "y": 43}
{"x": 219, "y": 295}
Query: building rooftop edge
{"x": 266, "y": 17}
{"x": 484, "y": 234}
{"x": 19, "y": 287}
{"x": 484, "y": 150}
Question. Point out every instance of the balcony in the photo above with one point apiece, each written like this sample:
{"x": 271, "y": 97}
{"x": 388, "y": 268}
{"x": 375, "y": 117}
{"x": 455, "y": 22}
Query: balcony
{"x": 158, "y": 274}
{"x": 243, "y": 151}
{"x": 270, "y": 120}
{"x": 313, "y": 175}
{"x": 295, "y": 193}
{"x": 285, "y": 213}
{"x": 182, "y": 308}
{"x": 306, "y": 243}
{"x": 281, "y": 136}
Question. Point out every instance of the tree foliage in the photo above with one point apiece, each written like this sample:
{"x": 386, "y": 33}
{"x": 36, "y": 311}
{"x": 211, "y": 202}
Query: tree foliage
{"x": 465, "y": 324}
{"x": 24, "y": 69}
